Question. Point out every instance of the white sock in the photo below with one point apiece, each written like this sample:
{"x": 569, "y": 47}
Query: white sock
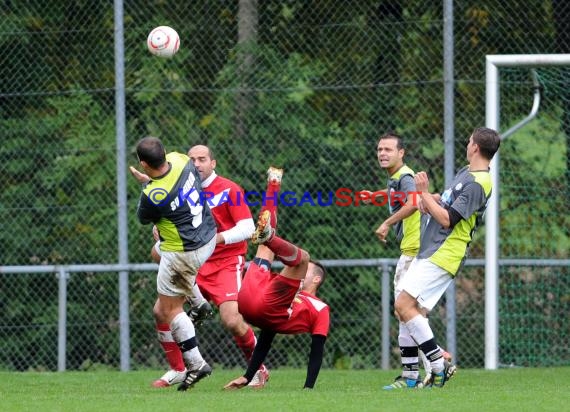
{"x": 425, "y": 362}
{"x": 419, "y": 329}
{"x": 193, "y": 359}
{"x": 182, "y": 330}
{"x": 421, "y": 332}
{"x": 406, "y": 341}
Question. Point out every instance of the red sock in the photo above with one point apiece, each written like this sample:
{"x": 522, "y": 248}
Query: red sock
{"x": 246, "y": 343}
{"x": 170, "y": 348}
{"x": 286, "y": 252}
{"x": 270, "y": 202}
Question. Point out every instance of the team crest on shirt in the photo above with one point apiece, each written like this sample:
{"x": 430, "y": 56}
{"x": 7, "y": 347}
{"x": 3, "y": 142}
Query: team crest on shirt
{"x": 446, "y": 197}
{"x": 297, "y": 300}
{"x": 458, "y": 186}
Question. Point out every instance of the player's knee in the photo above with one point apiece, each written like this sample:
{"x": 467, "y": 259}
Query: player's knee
{"x": 232, "y": 322}
{"x": 400, "y": 308}
{"x": 156, "y": 310}
{"x": 405, "y": 307}
{"x": 160, "y": 316}
{"x": 305, "y": 257}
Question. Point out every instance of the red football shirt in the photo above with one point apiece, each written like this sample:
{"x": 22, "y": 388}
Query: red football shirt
{"x": 309, "y": 314}
{"x": 228, "y": 208}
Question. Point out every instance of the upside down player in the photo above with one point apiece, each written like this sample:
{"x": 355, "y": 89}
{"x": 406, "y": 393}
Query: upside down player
{"x": 283, "y": 302}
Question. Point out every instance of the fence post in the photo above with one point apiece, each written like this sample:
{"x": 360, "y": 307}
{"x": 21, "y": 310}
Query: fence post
{"x": 62, "y": 319}
{"x": 122, "y": 228}
{"x": 385, "y": 287}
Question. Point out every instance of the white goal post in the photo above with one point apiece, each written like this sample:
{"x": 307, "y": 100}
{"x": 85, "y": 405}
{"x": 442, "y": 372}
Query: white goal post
{"x": 492, "y": 111}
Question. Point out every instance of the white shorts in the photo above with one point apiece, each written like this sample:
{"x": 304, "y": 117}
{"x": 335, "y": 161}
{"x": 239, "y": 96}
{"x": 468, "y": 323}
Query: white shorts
{"x": 401, "y": 269}
{"x": 426, "y": 282}
{"x": 177, "y": 270}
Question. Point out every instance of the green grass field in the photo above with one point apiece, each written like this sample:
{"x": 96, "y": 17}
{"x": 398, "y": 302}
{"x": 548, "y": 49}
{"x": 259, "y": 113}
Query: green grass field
{"x": 470, "y": 390}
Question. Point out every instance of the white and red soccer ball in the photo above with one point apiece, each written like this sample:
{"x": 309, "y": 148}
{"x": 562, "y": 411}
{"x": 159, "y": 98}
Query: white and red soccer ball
{"x": 163, "y": 41}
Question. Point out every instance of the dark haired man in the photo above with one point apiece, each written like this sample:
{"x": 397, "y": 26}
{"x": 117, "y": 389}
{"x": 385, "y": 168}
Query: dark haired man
{"x": 452, "y": 220}
{"x": 220, "y": 278}
{"x": 405, "y": 219}
{"x": 171, "y": 201}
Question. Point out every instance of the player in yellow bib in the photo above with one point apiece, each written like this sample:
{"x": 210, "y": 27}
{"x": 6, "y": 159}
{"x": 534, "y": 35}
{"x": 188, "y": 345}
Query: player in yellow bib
{"x": 451, "y": 221}
{"x": 171, "y": 200}
{"x": 401, "y": 196}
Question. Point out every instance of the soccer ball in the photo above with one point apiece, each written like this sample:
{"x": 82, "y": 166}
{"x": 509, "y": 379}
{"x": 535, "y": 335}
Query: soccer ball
{"x": 163, "y": 41}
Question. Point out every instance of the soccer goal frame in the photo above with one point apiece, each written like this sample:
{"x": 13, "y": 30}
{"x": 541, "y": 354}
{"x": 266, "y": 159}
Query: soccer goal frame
{"x": 492, "y": 120}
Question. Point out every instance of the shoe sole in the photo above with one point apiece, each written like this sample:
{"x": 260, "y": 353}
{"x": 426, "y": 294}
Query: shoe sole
{"x": 203, "y": 315}
{"x": 184, "y": 386}
{"x": 261, "y": 224}
{"x": 274, "y": 170}
{"x": 419, "y": 385}
{"x": 450, "y": 373}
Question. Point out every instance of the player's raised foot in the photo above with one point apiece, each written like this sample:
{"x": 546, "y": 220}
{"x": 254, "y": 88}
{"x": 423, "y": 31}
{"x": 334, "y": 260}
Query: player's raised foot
{"x": 195, "y": 376}
{"x": 263, "y": 231}
{"x": 274, "y": 175}
{"x": 404, "y": 383}
{"x": 170, "y": 378}
{"x": 260, "y": 378}
{"x": 198, "y": 314}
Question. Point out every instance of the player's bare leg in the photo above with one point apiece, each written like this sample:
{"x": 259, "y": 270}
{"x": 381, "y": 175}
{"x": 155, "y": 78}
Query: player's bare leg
{"x": 274, "y": 177}
{"x": 200, "y": 310}
{"x": 295, "y": 259}
{"x": 270, "y": 203}
{"x": 169, "y": 310}
{"x": 177, "y": 371}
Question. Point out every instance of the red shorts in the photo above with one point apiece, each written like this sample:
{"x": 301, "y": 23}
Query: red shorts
{"x": 220, "y": 279}
{"x": 265, "y": 298}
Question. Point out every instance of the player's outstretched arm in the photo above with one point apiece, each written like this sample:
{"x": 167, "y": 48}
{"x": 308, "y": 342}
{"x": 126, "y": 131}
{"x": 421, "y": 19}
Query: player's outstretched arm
{"x": 315, "y": 360}
{"x": 368, "y": 196}
{"x": 237, "y": 383}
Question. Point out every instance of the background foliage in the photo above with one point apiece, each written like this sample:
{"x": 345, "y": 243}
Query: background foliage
{"x": 305, "y": 85}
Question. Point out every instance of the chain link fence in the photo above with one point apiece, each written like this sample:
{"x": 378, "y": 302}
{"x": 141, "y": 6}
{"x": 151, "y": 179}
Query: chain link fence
{"x": 309, "y": 86}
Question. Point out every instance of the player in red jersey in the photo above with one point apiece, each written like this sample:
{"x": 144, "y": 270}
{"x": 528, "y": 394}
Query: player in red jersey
{"x": 219, "y": 279}
{"x": 283, "y": 302}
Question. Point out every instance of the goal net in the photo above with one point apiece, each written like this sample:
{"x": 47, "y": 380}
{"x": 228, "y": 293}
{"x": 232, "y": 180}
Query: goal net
{"x": 527, "y": 282}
